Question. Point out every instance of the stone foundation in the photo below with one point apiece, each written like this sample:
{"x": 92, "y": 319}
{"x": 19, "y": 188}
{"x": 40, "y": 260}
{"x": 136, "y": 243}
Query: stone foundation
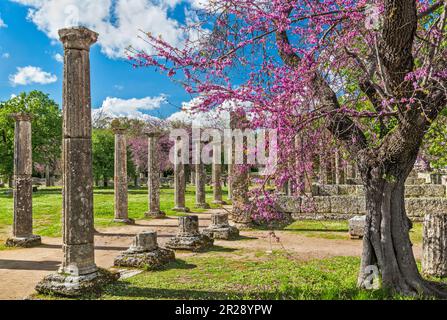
{"x": 75, "y": 286}
{"x": 126, "y": 221}
{"x": 145, "y": 253}
{"x": 26, "y": 242}
{"x": 220, "y": 228}
{"x": 155, "y": 215}
{"x": 188, "y": 236}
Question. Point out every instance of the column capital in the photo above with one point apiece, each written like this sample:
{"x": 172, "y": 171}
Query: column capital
{"x": 119, "y": 130}
{"x": 21, "y": 116}
{"x": 152, "y": 134}
{"x": 79, "y": 38}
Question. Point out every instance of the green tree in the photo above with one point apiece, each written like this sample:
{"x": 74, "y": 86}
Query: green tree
{"x": 46, "y": 129}
{"x": 103, "y": 141}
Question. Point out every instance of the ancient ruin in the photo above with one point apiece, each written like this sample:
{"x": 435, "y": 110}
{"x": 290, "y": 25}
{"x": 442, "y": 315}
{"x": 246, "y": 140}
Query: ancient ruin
{"x": 188, "y": 236}
{"x": 78, "y": 273}
{"x": 153, "y": 182}
{"x": 200, "y": 177}
{"x": 145, "y": 253}
{"x": 434, "y": 259}
{"x": 217, "y": 174}
{"x": 120, "y": 179}
{"x": 220, "y": 228}
{"x": 179, "y": 179}
{"x": 22, "y": 231}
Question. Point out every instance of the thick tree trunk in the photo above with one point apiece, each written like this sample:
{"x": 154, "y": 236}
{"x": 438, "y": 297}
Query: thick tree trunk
{"x": 106, "y": 182}
{"x": 387, "y": 249}
{"x": 434, "y": 262}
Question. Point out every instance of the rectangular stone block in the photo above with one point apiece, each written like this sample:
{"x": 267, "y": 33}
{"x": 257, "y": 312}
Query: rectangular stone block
{"x": 344, "y": 205}
{"x": 418, "y": 207}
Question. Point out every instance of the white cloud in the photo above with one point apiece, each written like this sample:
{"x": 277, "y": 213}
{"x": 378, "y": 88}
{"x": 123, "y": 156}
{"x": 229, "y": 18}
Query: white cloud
{"x": 6, "y": 55}
{"x": 2, "y": 23}
{"x": 131, "y": 108}
{"x": 58, "y": 57}
{"x": 29, "y": 75}
{"x": 117, "y": 21}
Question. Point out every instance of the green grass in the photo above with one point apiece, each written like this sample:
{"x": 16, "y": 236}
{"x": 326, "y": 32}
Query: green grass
{"x": 47, "y": 208}
{"x": 275, "y": 276}
{"x": 338, "y": 230}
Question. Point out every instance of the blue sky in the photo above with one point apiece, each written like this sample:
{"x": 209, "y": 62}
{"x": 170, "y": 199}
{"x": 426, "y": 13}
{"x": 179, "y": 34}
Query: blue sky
{"x": 28, "y": 40}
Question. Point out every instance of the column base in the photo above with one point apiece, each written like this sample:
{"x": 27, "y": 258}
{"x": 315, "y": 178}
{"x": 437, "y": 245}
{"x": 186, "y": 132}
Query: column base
{"x": 26, "y": 242}
{"x": 202, "y": 206}
{"x": 195, "y": 243}
{"x": 181, "y": 209}
{"x": 126, "y": 221}
{"x": 150, "y": 260}
{"x": 220, "y": 202}
{"x": 65, "y": 285}
{"x": 222, "y": 233}
{"x": 155, "y": 215}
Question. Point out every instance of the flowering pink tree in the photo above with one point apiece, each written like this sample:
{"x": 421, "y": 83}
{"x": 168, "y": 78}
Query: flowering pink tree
{"x": 372, "y": 73}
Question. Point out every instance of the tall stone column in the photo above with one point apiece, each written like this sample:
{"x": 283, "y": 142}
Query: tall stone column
{"x": 229, "y": 181}
{"x": 217, "y": 172}
{"x": 78, "y": 273}
{"x": 153, "y": 181}
{"x": 339, "y": 169}
{"x": 240, "y": 177}
{"x": 200, "y": 177}
{"x": 22, "y": 231}
{"x": 350, "y": 174}
{"x": 120, "y": 177}
{"x": 179, "y": 179}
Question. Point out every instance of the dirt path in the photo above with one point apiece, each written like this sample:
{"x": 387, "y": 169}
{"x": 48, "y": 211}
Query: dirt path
{"x": 21, "y": 269}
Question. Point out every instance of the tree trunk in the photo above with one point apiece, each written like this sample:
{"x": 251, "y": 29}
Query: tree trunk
{"x": 106, "y": 182}
{"x": 47, "y": 176}
{"x": 434, "y": 261}
{"x": 387, "y": 249}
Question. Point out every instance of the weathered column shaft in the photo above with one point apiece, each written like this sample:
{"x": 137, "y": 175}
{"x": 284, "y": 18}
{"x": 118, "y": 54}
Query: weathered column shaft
{"x": 217, "y": 172}
{"x": 229, "y": 181}
{"x": 23, "y": 186}
{"x": 153, "y": 182}
{"x": 120, "y": 178}
{"x": 339, "y": 169}
{"x": 200, "y": 177}
{"x": 179, "y": 179}
{"x": 78, "y": 226}
{"x": 240, "y": 177}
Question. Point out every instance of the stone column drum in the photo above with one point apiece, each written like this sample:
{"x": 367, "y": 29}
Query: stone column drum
{"x": 200, "y": 178}
{"x": 339, "y": 169}
{"x": 179, "y": 180}
{"x": 22, "y": 231}
{"x": 217, "y": 172}
{"x": 120, "y": 178}
{"x": 153, "y": 181}
{"x": 145, "y": 253}
{"x": 78, "y": 273}
{"x": 220, "y": 228}
{"x": 188, "y": 236}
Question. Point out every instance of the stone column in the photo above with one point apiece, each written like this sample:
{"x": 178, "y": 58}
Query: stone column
{"x": 434, "y": 248}
{"x": 350, "y": 174}
{"x": 217, "y": 172}
{"x": 200, "y": 177}
{"x": 22, "y": 231}
{"x": 240, "y": 178}
{"x": 179, "y": 179}
{"x": 229, "y": 183}
{"x": 339, "y": 169}
{"x": 120, "y": 177}
{"x": 153, "y": 182}
{"x": 193, "y": 175}
{"x": 78, "y": 273}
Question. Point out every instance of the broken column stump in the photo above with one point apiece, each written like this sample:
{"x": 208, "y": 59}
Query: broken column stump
{"x": 357, "y": 227}
{"x": 220, "y": 228}
{"x": 145, "y": 253}
{"x": 434, "y": 259}
{"x": 188, "y": 236}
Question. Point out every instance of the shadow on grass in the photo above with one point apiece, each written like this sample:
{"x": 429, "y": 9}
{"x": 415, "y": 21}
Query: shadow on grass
{"x": 219, "y": 249}
{"x": 316, "y": 230}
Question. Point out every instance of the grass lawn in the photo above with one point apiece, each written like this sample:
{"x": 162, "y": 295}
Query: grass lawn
{"x": 339, "y": 230}
{"x": 47, "y": 208}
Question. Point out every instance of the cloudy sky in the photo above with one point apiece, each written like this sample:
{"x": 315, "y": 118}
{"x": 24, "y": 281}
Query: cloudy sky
{"x": 31, "y": 55}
